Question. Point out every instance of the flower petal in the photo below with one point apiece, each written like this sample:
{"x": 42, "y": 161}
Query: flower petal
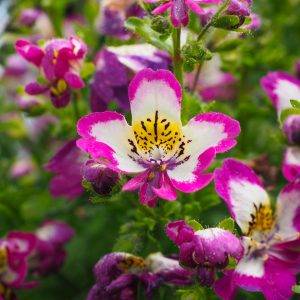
{"x": 166, "y": 190}
{"x": 291, "y": 163}
{"x": 74, "y": 80}
{"x": 212, "y": 130}
{"x": 242, "y": 191}
{"x": 152, "y": 91}
{"x": 281, "y": 88}
{"x": 30, "y": 52}
{"x": 162, "y": 8}
{"x": 288, "y": 212}
{"x": 194, "y": 7}
{"x": 187, "y": 174}
{"x": 112, "y": 130}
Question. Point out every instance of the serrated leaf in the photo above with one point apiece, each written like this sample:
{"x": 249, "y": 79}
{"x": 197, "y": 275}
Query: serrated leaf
{"x": 195, "y": 225}
{"x": 227, "y": 224}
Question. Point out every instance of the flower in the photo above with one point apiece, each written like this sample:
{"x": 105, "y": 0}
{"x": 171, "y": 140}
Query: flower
{"x": 49, "y": 254}
{"x": 255, "y": 22}
{"x": 60, "y": 61}
{"x": 213, "y": 83}
{"x": 115, "y": 67}
{"x": 205, "y": 250}
{"x": 239, "y": 7}
{"x": 270, "y": 240}
{"x": 291, "y": 128}
{"x": 113, "y": 14}
{"x": 179, "y": 9}
{"x": 101, "y": 178}
{"x": 118, "y": 275}
{"x": 66, "y": 164}
{"x": 281, "y": 88}
{"x": 291, "y": 163}
{"x": 15, "y": 250}
{"x": 163, "y": 154}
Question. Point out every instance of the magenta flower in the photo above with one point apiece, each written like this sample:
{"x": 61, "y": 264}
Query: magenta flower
{"x": 15, "y": 250}
{"x": 180, "y": 8}
{"x": 206, "y": 250}
{"x": 281, "y": 88}
{"x": 164, "y": 155}
{"x": 59, "y": 61}
{"x": 66, "y": 164}
{"x": 118, "y": 275}
{"x": 239, "y": 7}
{"x": 49, "y": 254}
{"x": 270, "y": 240}
{"x": 291, "y": 128}
{"x": 291, "y": 163}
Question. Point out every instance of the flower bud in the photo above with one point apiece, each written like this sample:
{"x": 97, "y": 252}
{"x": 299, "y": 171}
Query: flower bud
{"x": 102, "y": 179}
{"x": 291, "y": 129}
{"x": 161, "y": 25}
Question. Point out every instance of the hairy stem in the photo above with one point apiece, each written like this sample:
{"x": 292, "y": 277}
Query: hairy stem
{"x": 177, "y": 60}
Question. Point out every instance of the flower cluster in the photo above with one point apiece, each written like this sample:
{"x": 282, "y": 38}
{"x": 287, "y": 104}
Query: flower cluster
{"x": 24, "y": 253}
{"x": 119, "y": 274}
{"x": 59, "y": 62}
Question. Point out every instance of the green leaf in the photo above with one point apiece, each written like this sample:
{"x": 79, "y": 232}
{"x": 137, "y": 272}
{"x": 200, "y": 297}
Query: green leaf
{"x": 142, "y": 27}
{"x": 295, "y": 103}
{"x": 227, "y": 22}
{"x": 195, "y": 225}
{"x": 296, "y": 289}
{"x": 87, "y": 70}
{"x": 288, "y": 112}
{"x": 227, "y": 224}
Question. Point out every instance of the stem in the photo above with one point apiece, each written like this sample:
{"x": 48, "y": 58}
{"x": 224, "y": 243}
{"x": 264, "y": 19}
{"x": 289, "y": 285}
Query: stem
{"x": 177, "y": 60}
{"x": 196, "y": 79}
{"x": 209, "y": 24}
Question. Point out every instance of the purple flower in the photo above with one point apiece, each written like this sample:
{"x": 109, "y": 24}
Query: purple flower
{"x": 180, "y": 8}
{"x": 22, "y": 167}
{"x": 49, "y": 253}
{"x": 164, "y": 155}
{"x": 15, "y": 250}
{"x": 59, "y": 61}
{"x": 239, "y": 7}
{"x": 270, "y": 240}
{"x": 114, "y": 68}
{"x": 255, "y": 22}
{"x": 102, "y": 178}
{"x": 29, "y": 16}
{"x": 206, "y": 250}
{"x": 291, "y": 163}
{"x": 119, "y": 274}
{"x": 66, "y": 164}
{"x": 114, "y": 14}
{"x": 291, "y": 128}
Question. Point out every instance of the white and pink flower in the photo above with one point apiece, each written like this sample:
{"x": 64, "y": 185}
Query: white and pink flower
{"x": 271, "y": 240}
{"x": 164, "y": 155}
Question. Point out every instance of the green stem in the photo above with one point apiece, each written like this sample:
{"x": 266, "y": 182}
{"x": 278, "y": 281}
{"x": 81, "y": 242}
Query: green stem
{"x": 177, "y": 60}
{"x": 196, "y": 79}
{"x": 216, "y": 16}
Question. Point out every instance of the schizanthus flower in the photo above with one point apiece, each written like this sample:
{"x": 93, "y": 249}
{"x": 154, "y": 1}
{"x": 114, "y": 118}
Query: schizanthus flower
{"x": 49, "y": 253}
{"x": 115, "y": 67}
{"x": 118, "y": 275}
{"x": 206, "y": 250}
{"x": 15, "y": 250}
{"x": 271, "y": 241}
{"x": 291, "y": 163}
{"x": 165, "y": 155}
{"x": 113, "y": 14}
{"x": 60, "y": 62}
